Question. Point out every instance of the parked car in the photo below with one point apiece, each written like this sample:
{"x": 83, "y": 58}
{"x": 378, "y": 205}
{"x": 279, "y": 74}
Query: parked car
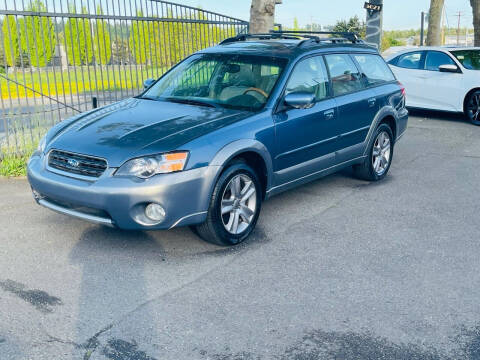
{"x": 441, "y": 78}
{"x": 223, "y": 130}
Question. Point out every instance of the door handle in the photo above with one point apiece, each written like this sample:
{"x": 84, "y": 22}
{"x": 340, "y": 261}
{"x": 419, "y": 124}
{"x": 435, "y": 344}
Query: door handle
{"x": 329, "y": 114}
{"x": 371, "y": 102}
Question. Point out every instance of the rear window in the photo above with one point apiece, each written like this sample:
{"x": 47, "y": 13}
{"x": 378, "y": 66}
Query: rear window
{"x": 470, "y": 59}
{"x": 344, "y": 74}
{"x": 410, "y": 60}
{"x": 374, "y": 68}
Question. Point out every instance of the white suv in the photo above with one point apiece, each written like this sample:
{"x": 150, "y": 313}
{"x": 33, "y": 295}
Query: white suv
{"x": 440, "y": 78}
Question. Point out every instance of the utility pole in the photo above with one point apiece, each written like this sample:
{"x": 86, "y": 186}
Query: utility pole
{"x": 422, "y": 28}
{"x": 459, "y": 15}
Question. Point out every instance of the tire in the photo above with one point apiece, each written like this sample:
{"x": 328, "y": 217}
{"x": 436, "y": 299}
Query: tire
{"x": 472, "y": 107}
{"x": 370, "y": 170}
{"x": 220, "y": 229}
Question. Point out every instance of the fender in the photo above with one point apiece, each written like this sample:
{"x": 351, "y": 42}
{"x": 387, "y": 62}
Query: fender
{"x": 229, "y": 151}
{"x": 381, "y": 114}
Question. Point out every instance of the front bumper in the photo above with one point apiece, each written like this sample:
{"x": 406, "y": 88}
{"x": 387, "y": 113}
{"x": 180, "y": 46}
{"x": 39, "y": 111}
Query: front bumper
{"x": 120, "y": 201}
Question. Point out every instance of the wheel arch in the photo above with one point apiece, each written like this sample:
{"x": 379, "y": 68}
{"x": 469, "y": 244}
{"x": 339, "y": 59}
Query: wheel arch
{"x": 254, "y": 153}
{"x": 466, "y": 97}
{"x": 385, "y": 115}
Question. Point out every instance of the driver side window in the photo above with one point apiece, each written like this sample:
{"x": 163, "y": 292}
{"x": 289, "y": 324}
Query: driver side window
{"x": 310, "y": 76}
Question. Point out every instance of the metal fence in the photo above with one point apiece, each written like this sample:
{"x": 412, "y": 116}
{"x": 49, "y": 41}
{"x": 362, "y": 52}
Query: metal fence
{"x": 55, "y": 58}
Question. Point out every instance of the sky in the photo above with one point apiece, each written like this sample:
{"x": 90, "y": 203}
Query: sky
{"x": 398, "y": 14}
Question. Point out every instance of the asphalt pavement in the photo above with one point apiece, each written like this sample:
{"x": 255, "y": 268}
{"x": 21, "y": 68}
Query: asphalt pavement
{"x": 337, "y": 269}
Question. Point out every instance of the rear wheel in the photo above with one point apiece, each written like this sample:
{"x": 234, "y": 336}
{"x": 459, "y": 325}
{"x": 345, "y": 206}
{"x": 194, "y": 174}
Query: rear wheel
{"x": 380, "y": 154}
{"x": 234, "y": 207}
{"x": 472, "y": 108}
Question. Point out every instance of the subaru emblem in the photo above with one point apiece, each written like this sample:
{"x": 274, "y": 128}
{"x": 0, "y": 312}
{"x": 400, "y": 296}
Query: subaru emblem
{"x": 73, "y": 163}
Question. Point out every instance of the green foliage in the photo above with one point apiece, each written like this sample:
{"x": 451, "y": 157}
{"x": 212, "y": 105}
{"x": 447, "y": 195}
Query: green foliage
{"x": 352, "y": 25}
{"x": 389, "y": 41}
{"x": 13, "y": 165}
{"x": 102, "y": 48}
{"x": 10, "y": 40}
{"x": 295, "y": 24}
{"x": 78, "y": 40}
{"x": 38, "y": 36}
{"x": 140, "y": 40}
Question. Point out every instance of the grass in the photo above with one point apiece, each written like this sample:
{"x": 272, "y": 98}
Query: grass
{"x": 22, "y": 144}
{"x": 14, "y": 165}
{"x": 56, "y": 82}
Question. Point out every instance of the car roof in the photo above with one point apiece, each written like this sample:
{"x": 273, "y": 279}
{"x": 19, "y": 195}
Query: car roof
{"x": 286, "y": 48}
{"x": 448, "y": 48}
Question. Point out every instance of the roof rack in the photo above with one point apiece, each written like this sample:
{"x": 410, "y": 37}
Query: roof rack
{"x": 306, "y": 36}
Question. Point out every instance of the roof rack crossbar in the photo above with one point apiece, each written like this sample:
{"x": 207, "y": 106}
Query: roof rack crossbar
{"x": 351, "y": 36}
{"x": 305, "y": 36}
{"x": 262, "y": 36}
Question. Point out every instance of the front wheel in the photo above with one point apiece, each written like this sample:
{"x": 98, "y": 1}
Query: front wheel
{"x": 472, "y": 108}
{"x": 234, "y": 207}
{"x": 380, "y": 154}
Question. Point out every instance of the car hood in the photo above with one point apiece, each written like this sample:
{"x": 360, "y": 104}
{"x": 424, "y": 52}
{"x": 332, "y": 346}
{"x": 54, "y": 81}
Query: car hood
{"x": 136, "y": 127}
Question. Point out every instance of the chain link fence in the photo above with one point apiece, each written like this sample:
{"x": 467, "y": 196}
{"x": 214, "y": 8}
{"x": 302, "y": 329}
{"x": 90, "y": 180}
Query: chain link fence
{"x": 56, "y": 59}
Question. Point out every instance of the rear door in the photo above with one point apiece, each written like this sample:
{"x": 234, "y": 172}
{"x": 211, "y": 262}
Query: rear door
{"x": 408, "y": 68}
{"x": 356, "y": 104}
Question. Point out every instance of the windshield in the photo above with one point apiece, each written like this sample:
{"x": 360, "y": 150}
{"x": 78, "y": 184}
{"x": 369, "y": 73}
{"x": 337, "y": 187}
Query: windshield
{"x": 470, "y": 59}
{"x": 225, "y": 80}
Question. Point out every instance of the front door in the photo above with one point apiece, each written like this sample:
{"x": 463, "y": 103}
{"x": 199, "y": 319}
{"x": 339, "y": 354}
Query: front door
{"x": 306, "y": 138}
{"x": 442, "y": 90}
{"x": 356, "y": 104}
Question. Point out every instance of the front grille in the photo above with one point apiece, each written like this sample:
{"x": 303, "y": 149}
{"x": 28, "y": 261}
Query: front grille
{"x": 77, "y": 164}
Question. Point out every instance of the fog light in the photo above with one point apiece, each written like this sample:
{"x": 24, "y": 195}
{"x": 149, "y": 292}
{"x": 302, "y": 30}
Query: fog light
{"x": 155, "y": 212}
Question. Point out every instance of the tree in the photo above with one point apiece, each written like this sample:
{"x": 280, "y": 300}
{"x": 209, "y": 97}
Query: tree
{"x": 434, "y": 37}
{"x": 38, "y": 36}
{"x": 295, "y": 24}
{"x": 352, "y": 25}
{"x": 139, "y": 40}
{"x": 102, "y": 49}
{"x": 262, "y": 15}
{"x": 476, "y": 20}
{"x": 78, "y": 40}
{"x": 10, "y": 40}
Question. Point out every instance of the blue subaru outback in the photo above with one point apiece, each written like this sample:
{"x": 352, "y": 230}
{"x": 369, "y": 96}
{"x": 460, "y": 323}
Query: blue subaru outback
{"x": 222, "y": 131}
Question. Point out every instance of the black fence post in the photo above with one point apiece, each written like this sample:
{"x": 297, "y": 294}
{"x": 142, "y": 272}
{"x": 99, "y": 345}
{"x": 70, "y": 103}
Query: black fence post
{"x": 94, "y": 102}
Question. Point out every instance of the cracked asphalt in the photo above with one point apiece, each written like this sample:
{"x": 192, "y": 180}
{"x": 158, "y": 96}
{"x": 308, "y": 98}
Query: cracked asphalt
{"x": 337, "y": 269}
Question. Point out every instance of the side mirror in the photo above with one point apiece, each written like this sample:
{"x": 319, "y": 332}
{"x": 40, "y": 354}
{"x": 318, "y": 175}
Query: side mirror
{"x": 147, "y": 83}
{"x": 449, "y": 68}
{"x": 300, "y": 100}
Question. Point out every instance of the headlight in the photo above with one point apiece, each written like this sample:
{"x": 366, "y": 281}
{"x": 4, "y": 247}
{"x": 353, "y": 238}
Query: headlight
{"x": 148, "y": 166}
{"x": 42, "y": 144}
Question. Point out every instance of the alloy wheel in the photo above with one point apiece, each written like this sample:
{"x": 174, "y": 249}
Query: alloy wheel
{"x": 381, "y": 153}
{"x": 473, "y": 107}
{"x": 239, "y": 204}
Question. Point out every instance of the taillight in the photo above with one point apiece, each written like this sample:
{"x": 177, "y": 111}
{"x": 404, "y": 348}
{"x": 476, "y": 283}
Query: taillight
{"x": 402, "y": 88}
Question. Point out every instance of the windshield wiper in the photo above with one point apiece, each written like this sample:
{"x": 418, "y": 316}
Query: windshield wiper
{"x": 148, "y": 98}
{"x": 190, "y": 102}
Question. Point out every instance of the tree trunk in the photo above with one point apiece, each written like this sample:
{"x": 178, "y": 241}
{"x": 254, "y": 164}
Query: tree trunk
{"x": 434, "y": 35}
{"x": 262, "y": 15}
{"x": 476, "y": 20}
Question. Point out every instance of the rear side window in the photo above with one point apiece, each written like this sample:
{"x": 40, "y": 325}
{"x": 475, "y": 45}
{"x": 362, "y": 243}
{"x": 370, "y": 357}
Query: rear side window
{"x": 310, "y": 75}
{"x": 374, "y": 68}
{"x": 344, "y": 74}
{"x": 410, "y": 61}
{"x": 435, "y": 59}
